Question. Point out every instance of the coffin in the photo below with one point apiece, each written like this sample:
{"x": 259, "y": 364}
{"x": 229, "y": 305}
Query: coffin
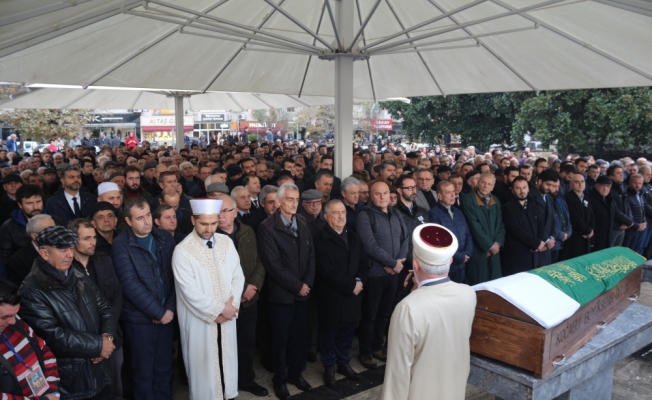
{"x": 518, "y": 336}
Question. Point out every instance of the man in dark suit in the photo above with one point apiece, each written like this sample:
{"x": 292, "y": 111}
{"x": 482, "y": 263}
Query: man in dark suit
{"x": 342, "y": 266}
{"x": 288, "y": 255}
{"x": 581, "y": 218}
{"x": 525, "y": 236}
{"x": 70, "y": 203}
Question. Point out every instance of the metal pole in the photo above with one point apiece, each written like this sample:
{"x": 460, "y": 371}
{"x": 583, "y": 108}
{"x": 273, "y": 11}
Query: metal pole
{"x": 178, "y": 119}
{"x": 344, "y": 12}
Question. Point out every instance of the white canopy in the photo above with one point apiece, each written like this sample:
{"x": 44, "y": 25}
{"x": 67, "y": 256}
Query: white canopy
{"x": 77, "y": 98}
{"x": 403, "y": 47}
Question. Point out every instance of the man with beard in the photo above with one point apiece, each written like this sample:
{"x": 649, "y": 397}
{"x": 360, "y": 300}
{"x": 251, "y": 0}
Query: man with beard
{"x": 503, "y": 188}
{"x": 364, "y": 193}
{"x": 604, "y": 212}
{"x": 525, "y": 236}
{"x": 261, "y": 173}
{"x": 98, "y": 267}
{"x": 387, "y": 174}
{"x": 413, "y": 216}
{"x": 132, "y": 187}
{"x": 13, "y": 232}
{"x": 541, "y": 194}
{"x": 87, "y": 175}
{"x": 209, "y": 282}
{"x": 104, "y": 218}
{"x": 582, "y": 219}
{"x": 70, "y": 203}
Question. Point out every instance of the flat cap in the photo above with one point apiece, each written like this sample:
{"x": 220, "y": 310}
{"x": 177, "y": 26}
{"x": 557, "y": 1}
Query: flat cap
{"x": 471, "y": 174}
{"x": 62, "y": 166}
{"x": 12, "y": 178}
{"x": 115, "y": 174}
{"x": 101, "y": 206}
{"x": 444, "y": 168}
{"x": 57, "y": 237}
{"x": 412, "y": 154}
{"x": 603, "y": 180}
{"x": 108, "y": 163}
{"x": 150, "y": 165}
{"x": 49, "y": 171}
{"x": 312, "y": 194}
{"x": 217, "y": 187}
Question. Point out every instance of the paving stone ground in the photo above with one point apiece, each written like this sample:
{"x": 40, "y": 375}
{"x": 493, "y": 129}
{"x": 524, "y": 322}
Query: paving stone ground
{"x": 632, "y": 377}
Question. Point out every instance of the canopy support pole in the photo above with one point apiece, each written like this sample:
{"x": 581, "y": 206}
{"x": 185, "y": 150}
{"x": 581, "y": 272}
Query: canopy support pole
{"x": 178, "y": 120}
{"x": 344, "y": 12}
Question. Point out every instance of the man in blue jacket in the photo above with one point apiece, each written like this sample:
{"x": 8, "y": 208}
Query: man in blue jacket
{"x": 142, "y": 256}
{"x": 443, "y": 213}
{"x": 71, "y": 203}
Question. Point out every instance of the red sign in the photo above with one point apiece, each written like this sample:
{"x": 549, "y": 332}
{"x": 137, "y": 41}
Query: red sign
{"x": 382, "y": 124}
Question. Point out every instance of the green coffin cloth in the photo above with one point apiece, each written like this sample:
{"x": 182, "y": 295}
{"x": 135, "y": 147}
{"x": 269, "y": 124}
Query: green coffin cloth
{"x": 585, "y": 278}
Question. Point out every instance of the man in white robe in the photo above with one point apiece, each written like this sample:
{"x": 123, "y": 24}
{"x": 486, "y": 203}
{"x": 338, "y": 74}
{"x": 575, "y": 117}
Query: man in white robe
{"x": 428, "y": 354}
{"x": 209, "y": 284}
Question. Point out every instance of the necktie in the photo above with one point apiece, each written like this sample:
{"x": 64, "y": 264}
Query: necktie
{"x": 209, "y": 244}
{"x": 255, "y": 203}
{"x": 75, "y": 205}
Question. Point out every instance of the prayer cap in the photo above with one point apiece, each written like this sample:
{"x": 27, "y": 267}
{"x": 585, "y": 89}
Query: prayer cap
{"x": 434, "y": 245}
{"x": 205, "y": 206}
{"x": 107, "y": 187}
{"x": 57, "y": 237}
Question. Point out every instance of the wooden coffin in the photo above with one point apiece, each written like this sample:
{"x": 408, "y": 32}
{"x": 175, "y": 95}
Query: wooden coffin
{"x": 503, "y": 332}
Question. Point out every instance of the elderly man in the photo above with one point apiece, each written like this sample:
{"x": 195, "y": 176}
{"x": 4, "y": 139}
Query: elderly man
{"x": 385, "y": 240}
{"x": 20, "y": 263}
{"x": 70, "y": 203}
{"x": 244, "y": 239}
{"x": 485, "y": 219}
{"x": 581, "y": 218}
{"x": 351, "y": 199}
{"x": 105, "y": 220}
{"x": 452, "y": 218}
{"x": 10, "y": 185}
{"x": 324, "y": 184}
{"x": 311, "y": 210}
{"x": 209, "y": 284}
{"x": 24, "y": 354}
{"x": 168, "y": 180}
{"x": 342, "y": 267}
{"x": 426, "y": 196}
{"x": 142, "y": 257}
{"x": 66, "y": 309}
{"x": 417, "y": 347}
{"x": 640, "y": 209}
{"x": 286, "y": 248}
{"x": 242, "y": 199}
{"x": 99, "y": 267}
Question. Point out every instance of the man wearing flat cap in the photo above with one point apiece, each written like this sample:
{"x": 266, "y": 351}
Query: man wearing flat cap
{"x": 66, "y": 309}
{"x": 209, "y": 283}
{"x": 426, "y": 360}
{"x": 10, "y": 184}
{"x": 604, "y": 211}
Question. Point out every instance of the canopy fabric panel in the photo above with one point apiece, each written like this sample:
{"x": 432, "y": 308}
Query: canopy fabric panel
{"x": 407, "y": 47}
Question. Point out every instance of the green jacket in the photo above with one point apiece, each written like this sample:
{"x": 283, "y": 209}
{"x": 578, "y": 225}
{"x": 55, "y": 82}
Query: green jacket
{"x": 486, "y": 225}
{"x": 252, "y": 266}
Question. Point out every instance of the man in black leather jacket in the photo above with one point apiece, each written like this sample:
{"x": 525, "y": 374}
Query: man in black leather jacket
{"x": 66, "y": 309}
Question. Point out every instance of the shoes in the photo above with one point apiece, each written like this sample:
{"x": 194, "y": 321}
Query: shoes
{"x": 312, "y": 357}
{"x": 347, "y": 371}
{"x": 381, "y": 355}
{"x": 368, "y": 361}
{"x": 301, "y": 384}
{"x": 329, "y": 376}
{"x": 255, "y": 389}
{"x": 281, "y": 391}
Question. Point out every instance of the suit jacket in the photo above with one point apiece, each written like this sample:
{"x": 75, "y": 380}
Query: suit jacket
{"x": 289, "y": 261}
{"x": 524, "y": 232}
{"x": 338, "y": 264}
{"x": 415, "y": 344}
{"x": 422, "y": 201}
{"x": 58, "y": 206}
{"x": 582, "y": 219}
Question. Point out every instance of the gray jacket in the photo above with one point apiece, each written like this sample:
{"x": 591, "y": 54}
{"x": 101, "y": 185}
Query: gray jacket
{"x": 422, "y": 201}
{"x": 385, "y": 238}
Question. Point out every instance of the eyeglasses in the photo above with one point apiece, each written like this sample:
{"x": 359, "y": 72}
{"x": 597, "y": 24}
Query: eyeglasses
{"x": 313, "y": 203}
{"x": 409, "y": 188}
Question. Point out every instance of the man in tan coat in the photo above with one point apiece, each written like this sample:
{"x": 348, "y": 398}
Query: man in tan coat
{"x": 428, "y": 355}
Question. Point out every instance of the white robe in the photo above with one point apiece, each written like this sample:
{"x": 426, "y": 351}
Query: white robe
{"x": 205, "y": 279}
{"x": 428, "y": 354}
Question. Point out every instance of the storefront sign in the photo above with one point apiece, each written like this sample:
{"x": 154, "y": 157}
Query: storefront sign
{"x": 165, "y": 123}
{"x": 382, "y": 124}
{"x": 211, "y": 117}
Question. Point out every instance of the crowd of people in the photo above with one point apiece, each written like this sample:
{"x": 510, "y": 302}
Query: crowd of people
{"x": 246, "y": 248}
